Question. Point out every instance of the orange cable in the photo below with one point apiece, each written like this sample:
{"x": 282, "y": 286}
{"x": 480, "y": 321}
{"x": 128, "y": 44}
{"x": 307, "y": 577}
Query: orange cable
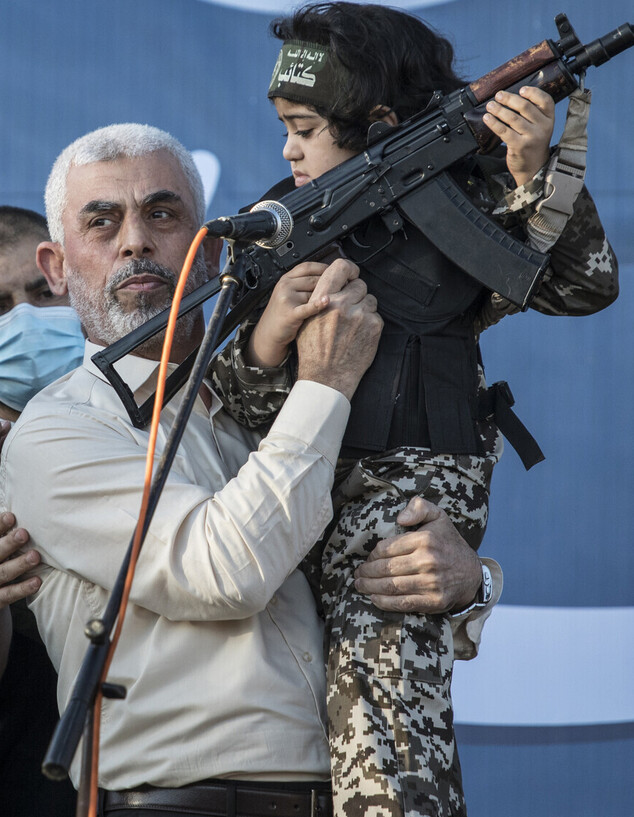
{"x": 136, "y": 545}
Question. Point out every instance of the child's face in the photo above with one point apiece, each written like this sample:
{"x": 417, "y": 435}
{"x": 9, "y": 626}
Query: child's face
{"x": 310, "y": 147}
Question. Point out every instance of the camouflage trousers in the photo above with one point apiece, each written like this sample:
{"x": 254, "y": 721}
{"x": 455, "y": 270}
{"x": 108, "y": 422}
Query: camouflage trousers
{"x": 390, "y": 717}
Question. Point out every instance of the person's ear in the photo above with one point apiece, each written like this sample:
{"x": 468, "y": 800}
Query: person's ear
{"x": 212, "y": 248}
{"x": 50, "y": 261}
{"x": 381, "y": 113}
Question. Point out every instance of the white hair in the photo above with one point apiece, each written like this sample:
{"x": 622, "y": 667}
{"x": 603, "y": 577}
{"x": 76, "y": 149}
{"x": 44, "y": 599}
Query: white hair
{"x": 107, "y": 144}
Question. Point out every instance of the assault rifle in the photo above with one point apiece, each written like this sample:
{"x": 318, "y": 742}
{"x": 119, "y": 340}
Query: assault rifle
{"x": 403, "y": 174}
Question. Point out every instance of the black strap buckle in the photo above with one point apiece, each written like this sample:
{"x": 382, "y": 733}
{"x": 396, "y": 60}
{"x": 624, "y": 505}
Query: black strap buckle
{"x": 496, "y": 402}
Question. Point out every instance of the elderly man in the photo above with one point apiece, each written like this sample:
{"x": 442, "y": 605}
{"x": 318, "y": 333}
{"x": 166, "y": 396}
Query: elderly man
{"x": 221, "y": 649}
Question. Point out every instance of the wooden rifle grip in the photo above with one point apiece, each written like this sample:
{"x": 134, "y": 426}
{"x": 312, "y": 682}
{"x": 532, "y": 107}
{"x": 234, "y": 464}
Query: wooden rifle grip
{"x": 554, "y": 78}
{"x": 524, "y": 64}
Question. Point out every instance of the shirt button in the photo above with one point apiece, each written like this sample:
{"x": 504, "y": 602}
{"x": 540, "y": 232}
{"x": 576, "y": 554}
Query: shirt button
{"x": 307, "y": 657}
{"x": 273, "y": 601}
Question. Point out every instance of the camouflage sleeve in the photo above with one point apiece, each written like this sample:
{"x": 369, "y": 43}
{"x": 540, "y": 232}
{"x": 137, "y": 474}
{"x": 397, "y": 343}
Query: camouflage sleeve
{"x": 583, "y": 274}
{"x": 252, "y": 395}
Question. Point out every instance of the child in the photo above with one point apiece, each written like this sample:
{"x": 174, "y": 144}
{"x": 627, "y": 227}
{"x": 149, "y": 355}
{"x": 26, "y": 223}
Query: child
{"x": 420, "y": 423}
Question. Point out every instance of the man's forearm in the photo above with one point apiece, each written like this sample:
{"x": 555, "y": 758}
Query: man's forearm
{"x": 216, "y": 549}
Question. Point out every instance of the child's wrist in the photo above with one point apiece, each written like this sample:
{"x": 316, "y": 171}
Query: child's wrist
{"x": 266, "y": 356}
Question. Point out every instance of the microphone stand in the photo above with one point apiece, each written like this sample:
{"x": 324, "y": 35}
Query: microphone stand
{"x": 77, "y": 718}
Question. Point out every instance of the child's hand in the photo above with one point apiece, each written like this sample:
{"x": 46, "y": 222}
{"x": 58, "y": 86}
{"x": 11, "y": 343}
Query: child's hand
{"x": 298, "y": 295}
{"x": 288, "y": 307}
{"x": 525, "y": 122}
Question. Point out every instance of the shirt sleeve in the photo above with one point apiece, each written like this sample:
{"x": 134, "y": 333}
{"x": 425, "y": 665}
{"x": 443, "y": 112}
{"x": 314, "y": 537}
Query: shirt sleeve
{"x": 75, "y": 483}
{"x": 467, "y": 629}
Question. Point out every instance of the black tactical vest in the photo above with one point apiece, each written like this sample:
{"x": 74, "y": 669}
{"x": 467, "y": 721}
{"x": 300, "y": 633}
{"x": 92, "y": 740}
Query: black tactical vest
{"x": 421, "y": 389}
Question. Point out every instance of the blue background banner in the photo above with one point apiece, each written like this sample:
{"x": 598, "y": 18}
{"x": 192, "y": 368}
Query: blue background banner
{"x": 546, "y": 713}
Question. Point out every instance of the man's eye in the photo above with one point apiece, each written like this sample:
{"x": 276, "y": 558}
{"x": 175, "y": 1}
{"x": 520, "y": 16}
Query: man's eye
{"x": 41, "y": 296}
{"x": 102, "y": 221}
{"x": 304, "y": 133}
{"x": 159, "y": 214}
{"x": 44, "y": 294}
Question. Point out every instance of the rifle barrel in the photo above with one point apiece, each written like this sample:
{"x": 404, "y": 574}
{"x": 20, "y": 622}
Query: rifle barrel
{"x": 603, "y": 48}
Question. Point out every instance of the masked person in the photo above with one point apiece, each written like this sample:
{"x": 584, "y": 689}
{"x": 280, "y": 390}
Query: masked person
{"x": 40, "y": 340}
{"x": 36, "y": 346}
{"x": 422, "y": 421}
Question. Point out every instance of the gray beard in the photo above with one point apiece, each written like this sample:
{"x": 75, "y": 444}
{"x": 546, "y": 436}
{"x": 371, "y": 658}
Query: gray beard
{"x": 103, "y": 316}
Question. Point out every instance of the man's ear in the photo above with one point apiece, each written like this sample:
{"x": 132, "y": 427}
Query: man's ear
{"x": 213, "y": 248}
{"x": 50, "y": 261}
{"x": 381, "y": 113}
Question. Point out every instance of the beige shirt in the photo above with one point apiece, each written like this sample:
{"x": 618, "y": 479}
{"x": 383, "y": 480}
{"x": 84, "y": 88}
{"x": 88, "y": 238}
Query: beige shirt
{"x": 221, "y": 651}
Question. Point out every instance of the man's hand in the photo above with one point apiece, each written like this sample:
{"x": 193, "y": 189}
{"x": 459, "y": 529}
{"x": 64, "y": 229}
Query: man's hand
{"x": 429, "y": 570}
{"x": 13, "y": 568}
{"x": 336, "y": 346}
{"x": 525, "y": 121}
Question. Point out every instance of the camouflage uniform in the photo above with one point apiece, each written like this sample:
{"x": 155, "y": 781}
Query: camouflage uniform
{"x": 389, "y": 675}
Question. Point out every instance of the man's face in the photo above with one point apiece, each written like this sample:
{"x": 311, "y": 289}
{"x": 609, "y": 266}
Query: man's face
{"x": 310, "y": 147}
{"x": 128, "y": 224}
{"x": 21, "y": 282}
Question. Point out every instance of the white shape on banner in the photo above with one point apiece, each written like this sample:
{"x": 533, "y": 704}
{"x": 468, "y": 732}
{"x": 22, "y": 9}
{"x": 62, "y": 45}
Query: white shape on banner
{"x": 285, "y": 6}
{"x": 208, "y": 166}
{"x": 549, "y": 666}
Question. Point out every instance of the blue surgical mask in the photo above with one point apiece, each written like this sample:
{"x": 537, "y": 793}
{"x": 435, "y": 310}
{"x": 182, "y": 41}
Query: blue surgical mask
{"x": 37, "y": 345}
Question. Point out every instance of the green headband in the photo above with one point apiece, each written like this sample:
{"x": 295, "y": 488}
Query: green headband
{"x": 304, "y": 73}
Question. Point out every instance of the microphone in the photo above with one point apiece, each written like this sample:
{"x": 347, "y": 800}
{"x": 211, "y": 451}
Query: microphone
{"x": 267, "y": 224}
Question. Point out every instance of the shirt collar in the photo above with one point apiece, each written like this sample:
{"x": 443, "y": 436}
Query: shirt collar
{"x": 140, "y": 375}
{"x": 136, "y": 371}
